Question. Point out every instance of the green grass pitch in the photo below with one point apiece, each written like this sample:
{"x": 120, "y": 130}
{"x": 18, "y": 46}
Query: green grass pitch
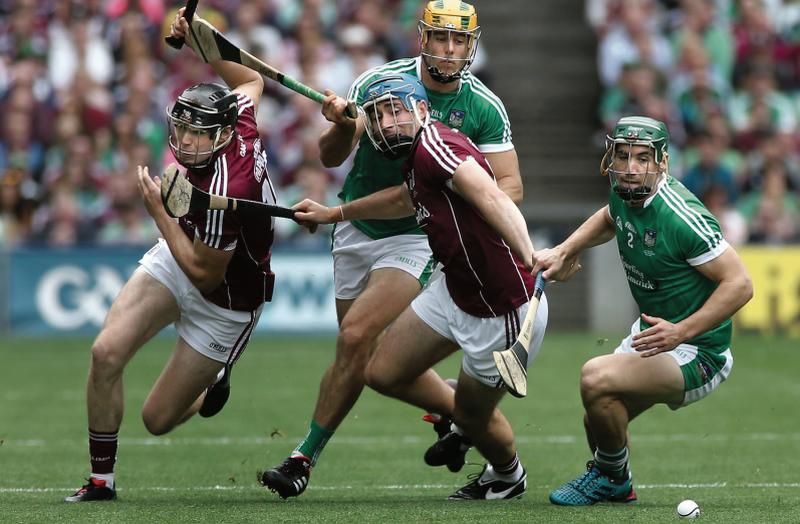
{"x": 736, "y": 453}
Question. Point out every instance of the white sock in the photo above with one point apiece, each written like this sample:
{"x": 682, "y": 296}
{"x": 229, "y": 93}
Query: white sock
{"x": 108, "y": 477}
{"x": 512, "y": 476}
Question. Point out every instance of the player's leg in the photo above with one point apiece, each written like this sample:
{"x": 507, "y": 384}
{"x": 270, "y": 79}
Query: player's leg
{"x": 615, "y": 389}
{"x": 387, "y": 293}
{"x": 210, "y": 339}
{"x": 374, "y": 280}
{"x": 476, "y": 413}
{"x": 400, "y": 366}
{"x": 143, "y": 307}
{"x": 177, "y": 393}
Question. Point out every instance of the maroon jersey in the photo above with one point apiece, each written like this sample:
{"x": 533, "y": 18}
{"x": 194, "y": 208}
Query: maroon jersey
{"x": 484, "y": 277}
{"x": 239, "y": 170}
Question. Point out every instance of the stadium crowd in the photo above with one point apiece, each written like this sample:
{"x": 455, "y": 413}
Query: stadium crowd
{"x": 725, "y": 76}
{"x": 84, "y": 85}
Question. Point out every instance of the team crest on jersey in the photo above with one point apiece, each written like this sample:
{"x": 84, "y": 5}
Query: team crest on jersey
{"x": 456, "y": 118}
{"x": 649, "y": 237}
{"x": 619, "y": 223}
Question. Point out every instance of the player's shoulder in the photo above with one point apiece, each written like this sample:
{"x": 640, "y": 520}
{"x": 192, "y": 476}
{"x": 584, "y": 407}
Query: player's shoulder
{"x": 240, "y": 168}
{"x": 444, "y": 148}
{"x": 246, "y": 124}
{"x": 479, "y": 94}
{"x": 681, "y": 209}
{"x": 438, "y": 132}
{"x": 401, "y": 65}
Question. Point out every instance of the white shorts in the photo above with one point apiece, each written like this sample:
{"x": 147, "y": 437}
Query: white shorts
{"x": 218, "y": 333}
{"x": 355, "y": 256}
{"x": 702, "y": 372}
{"x": 477, "y": 337}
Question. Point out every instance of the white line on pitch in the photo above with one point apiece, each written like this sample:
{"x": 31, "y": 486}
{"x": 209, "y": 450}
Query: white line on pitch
{"x": 391, "y": 487}
{"x": 403, "y": 440}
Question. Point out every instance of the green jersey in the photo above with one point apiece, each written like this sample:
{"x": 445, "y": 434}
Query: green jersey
{"x": 659, "y": 244}
{"x": 472, "y": 109}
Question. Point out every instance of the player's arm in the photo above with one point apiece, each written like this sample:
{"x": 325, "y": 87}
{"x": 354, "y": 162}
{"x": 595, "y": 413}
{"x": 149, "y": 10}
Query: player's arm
{"x": 505, "y": 166}
{"x": 338, "y": 141}
{"x": 204, "y": 266}
{"x": 475, "y": 186}
{"x": 238, "y": 77}
{"x": 734, "y": 289}
{"x": 392, "y": 202}
{"x": 561, "y": 262}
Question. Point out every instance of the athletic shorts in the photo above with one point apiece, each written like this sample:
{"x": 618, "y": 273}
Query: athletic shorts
{"x": 703, "y": 370}
{"x": 218, "y": 333}
{"x": 355, "y": 256}
{"x": 478, "y": 337}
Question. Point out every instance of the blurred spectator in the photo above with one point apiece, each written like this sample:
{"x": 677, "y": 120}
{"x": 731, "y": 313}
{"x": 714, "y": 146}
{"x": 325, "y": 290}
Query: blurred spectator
{"x": 634, "y": 37}
{"x": 125, "y": 222}
{"x": 758, "y": 43}
{"x": 79, "y": 50}
{"x": 772, "y": 211}
{"x": 15, "y": 209}
{"x": 759, "y": 107}
{"x": 732, "y": 222}
{"x": 699, "y": 21}
{"x": 710, "y": 172}
{"x": 771, "y": 148}
{"x": 310, "y": 181}
{"x": 60, "y": 223}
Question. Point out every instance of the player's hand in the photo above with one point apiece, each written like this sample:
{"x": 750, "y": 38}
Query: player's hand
{"x": 310, "y": 214}
{"x": 661, "y": 336}
{"x": 180, "y": 27}
{"x": 555, "y": 264}
{"x": 334, "y": 109}
{"x": 150, "y": 189}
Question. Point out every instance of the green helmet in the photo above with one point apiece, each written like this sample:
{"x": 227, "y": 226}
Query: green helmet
{"x": 635, "y": 131}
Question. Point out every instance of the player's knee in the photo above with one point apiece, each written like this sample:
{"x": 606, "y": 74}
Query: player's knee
{"x": 469, "y": 421}
{"x": 352, "y": 346}
{"x": 376, "y": 378}
{"x": 596, "y": 380}
{"x": 156, "y": 423}
{"x": 106, "y": 359}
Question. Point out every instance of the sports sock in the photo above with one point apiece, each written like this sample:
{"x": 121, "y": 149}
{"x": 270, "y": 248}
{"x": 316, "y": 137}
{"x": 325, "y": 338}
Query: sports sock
{"x": 508, "y": 472}
{"x": 314, "y": 442}
{"x": 103, "y": 452}
{"x": 108, "y": 477}
{"x": 614, "y": 464}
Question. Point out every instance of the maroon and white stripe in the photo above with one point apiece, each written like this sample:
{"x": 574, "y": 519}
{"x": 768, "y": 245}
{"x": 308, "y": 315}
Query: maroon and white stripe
{"x": 244, "y": 102}
{"x": 241, "y": 342}
{"x": 214, "y": 218}
{"x": 440, "y": 151}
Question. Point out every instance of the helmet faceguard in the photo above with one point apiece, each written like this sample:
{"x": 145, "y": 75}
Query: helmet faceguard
{"x": 198, "y": 122}
{"x": 391, "y": 130}
{"x": 635, "y": 173}
{"x": 456, "y": 21}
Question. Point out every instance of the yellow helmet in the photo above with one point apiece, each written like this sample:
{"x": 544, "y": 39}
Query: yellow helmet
{"x": 452, "y": 16}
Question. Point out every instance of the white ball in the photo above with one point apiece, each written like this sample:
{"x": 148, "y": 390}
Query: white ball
{"x": 688, "y": 509}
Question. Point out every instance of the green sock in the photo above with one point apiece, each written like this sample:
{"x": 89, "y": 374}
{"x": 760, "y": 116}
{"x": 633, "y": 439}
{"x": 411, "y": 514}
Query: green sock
{"x": 314, "y": 442}
{"x": 613, "y": 464}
